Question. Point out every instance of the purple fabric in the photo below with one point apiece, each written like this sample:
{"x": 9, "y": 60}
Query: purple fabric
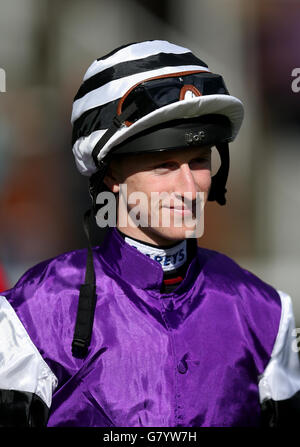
{"x": 188, "y": 358}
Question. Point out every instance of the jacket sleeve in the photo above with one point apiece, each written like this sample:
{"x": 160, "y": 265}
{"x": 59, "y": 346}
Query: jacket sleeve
{"x": 279, "y": 385}
{"x": 26, "y": 381}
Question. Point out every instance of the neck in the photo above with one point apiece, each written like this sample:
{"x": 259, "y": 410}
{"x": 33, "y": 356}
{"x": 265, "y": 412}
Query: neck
{"x": 169, "y": 257}
{"x": 173, "y": 258}
{"x": 148, "y": 237}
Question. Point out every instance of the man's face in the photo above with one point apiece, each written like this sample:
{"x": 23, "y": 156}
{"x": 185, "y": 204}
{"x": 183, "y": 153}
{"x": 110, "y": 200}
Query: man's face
{"x": 168, "y": 184}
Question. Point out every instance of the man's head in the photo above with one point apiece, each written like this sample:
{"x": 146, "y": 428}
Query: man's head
{"x": 164, "y": 187}
{"x": 148, "y": 97}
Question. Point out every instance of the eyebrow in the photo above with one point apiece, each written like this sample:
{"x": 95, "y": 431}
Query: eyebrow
{"x": 169, "y": 155}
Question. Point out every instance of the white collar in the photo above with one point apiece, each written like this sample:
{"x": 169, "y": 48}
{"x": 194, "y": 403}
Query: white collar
{"x": 169, "y": 258}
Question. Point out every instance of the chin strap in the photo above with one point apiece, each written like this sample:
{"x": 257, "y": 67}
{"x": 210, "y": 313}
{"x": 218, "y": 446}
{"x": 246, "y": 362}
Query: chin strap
{"x": 117, "y": 122}
{"x": 87, "y": 301}
{"x": 218, "y": 182}
{"x": 87, "y": 296}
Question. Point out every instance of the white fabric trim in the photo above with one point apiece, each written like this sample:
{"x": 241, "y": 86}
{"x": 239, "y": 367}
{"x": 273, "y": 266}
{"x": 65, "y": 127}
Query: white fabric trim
{"x": 117, "y": 88}
{"x": 281, "y": 378}
{"x": 22, "y": 367}
{"x": 82, "y": 150}
{"x": 134, "y": 52}
{"x": 188, "y": 108}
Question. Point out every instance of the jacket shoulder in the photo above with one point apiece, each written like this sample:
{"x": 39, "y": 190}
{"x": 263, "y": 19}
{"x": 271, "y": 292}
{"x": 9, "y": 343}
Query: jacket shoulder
{"x": 68, "y": 268}
{"x": 257, "y": 303}
{"x": 229, "y": 274}
{"x": 48, "y": 290}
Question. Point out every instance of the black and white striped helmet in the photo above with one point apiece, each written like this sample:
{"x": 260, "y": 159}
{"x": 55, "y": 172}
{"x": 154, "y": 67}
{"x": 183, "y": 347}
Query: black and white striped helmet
{"x": 138, "y": 87}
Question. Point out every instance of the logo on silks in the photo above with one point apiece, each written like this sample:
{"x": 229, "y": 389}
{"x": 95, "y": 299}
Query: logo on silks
{"x": 169, "y": 258}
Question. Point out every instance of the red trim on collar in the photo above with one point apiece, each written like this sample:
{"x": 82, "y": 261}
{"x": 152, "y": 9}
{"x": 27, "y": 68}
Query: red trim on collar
{"x": 173, "y": 280}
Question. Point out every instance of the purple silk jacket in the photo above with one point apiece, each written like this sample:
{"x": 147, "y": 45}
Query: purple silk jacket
{"x": 187, "y": 358}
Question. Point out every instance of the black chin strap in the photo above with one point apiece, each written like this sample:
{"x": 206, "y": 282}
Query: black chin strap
{"x": 87, "y": 297}
{"x": 116, "y": 124}
{"x": 87, "y": 301}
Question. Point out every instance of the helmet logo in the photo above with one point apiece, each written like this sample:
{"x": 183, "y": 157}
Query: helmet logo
{"x": 194, "y": 137}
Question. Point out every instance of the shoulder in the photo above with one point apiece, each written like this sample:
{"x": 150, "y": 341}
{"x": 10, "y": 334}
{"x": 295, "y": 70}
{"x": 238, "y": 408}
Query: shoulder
{"x": 45, "y": 301}
{"x": 51, "y": 288}
{"x": 65, "y": 271}
{"x": 222, "y": 263}
{"x": 260, "y": 302}
{"x": 73, "y": 260}
{"x": 264, "y": 312}
{"x": 47, "y": 290}
{"x": 279, "y": 384}
{"x": 26, "y": 381}
{"x": 231, "y": 275}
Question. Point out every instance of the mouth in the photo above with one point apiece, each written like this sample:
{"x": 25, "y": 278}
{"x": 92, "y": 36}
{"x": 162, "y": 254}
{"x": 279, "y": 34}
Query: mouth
{"x": 180, "y": 210}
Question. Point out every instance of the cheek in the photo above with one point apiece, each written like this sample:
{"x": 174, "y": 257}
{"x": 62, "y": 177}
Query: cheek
{"x": 135, "y": 184}
{"x": 146, "y": 184}
{"x": 138, "y": 186}
{"x": 203, "y": 180}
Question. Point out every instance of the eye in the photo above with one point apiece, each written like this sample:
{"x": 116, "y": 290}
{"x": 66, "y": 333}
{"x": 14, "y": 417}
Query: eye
{"x": 166, "y": 165}
{"x": 200, "y": 160}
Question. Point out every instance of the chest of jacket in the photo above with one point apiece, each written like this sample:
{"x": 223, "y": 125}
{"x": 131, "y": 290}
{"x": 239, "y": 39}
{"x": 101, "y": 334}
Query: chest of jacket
{"x": 164, "y": 362}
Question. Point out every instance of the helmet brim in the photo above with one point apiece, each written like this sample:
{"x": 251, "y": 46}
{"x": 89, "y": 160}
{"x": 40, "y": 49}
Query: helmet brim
{"x": 206, "y": 130}
{"x": 221, "y": 104}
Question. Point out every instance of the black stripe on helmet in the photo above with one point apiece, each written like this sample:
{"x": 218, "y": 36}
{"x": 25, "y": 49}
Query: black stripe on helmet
{"x": 101, "y": 117}
{"x": 98, "y": 118}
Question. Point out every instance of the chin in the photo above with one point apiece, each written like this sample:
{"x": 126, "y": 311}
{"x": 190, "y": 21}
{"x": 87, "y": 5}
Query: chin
{"x": 172, "y": 234}
{"x": 178, "y": 228}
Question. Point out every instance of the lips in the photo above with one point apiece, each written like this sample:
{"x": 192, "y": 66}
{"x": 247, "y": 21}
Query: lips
{"x": 180, "y": 208}
{"x": 184, "y": 208}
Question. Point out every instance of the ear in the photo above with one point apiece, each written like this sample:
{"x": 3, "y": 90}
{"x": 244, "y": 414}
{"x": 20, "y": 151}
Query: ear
{"x": 111, "y": 180}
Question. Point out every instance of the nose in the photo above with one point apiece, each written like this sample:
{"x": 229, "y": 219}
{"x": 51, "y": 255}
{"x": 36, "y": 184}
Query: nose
{"x": 185, "y": 182}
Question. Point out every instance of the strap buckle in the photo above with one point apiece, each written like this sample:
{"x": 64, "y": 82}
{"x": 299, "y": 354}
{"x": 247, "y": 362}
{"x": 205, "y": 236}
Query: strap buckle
{"x": 79, "y": 348}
